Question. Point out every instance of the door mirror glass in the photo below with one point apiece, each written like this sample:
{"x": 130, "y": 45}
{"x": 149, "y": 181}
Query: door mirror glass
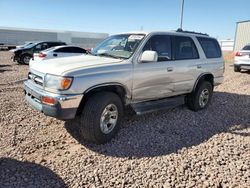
{"x": 149, "y": 56}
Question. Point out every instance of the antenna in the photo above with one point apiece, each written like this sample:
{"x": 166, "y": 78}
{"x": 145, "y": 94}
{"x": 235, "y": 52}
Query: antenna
{"x": 182, "y": 9}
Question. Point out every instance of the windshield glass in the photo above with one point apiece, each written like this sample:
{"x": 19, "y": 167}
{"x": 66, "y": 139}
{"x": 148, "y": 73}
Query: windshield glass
{"x": 119, "y": 46}
{"x": 30, "y": 45}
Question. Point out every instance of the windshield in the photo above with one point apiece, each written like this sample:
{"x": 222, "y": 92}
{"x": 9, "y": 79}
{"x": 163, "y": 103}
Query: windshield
{"x": 119, "y": 46}
{"x": 30, "y": 45}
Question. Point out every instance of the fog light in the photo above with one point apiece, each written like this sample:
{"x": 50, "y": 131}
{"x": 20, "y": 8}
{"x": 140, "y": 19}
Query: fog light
{"x": 48, "y": 100}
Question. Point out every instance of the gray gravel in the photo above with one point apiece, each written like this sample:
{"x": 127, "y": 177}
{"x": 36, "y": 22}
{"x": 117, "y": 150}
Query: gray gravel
{"x": 170, "y": 148}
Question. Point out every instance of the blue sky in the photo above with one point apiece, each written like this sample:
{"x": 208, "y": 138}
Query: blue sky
{"x": 215, "y": 17}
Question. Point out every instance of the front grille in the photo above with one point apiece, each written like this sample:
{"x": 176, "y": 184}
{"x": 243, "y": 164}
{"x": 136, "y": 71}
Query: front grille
{"x": 35, "y": 78}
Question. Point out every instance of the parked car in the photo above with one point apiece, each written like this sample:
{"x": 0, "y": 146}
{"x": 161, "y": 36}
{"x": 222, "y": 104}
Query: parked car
{"x": 57, "y": 51}
{"x": 146, "y": 71}
{"x": 242, "y": 59}
{"x": 24, "y": 55}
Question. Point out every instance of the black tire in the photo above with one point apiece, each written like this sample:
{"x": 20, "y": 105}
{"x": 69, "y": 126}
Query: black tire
{"x": 24, "y": 59}
{"x": 90, "y": 124}
{"x": 236, "y": 69}
{"x": 193, "y": 99}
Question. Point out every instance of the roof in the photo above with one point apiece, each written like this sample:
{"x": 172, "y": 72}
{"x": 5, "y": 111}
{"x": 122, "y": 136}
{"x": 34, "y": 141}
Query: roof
{"x": 188, "y": 33}
{"x": 243, "y": 21}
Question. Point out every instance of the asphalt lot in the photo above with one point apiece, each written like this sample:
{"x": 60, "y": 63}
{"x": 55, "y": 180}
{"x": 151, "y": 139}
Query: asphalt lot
{"x": 169, "y": 148}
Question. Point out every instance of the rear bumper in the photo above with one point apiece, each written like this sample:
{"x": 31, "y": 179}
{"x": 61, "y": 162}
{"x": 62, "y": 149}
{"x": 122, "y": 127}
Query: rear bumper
{"x": 242, "y": 65}
{"x": 65, "y": 107}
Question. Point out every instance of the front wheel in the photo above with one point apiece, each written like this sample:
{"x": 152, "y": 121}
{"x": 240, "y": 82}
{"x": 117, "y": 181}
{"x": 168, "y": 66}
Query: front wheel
{"x": 100, "y": 118}
{"x": 201, "y": 97}
{"x": 25, "y": 59}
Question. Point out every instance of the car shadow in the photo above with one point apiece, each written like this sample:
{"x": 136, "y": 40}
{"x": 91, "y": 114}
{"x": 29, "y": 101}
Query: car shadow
{"x": 165, "y": 132}
{"x": 14, "y": 173}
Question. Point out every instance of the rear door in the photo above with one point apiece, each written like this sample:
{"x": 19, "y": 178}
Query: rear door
{"x": 187, "y": 64}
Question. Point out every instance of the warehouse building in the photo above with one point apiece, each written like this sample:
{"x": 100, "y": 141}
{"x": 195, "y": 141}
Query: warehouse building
{"x": 242, "y": 35}
{"x": 18, "y": 36}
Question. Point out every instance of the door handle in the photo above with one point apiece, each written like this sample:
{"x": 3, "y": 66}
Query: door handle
{"x": 169, "y": 69}
{"x": 199, "y": 66}
{"x": 55, "y": 55}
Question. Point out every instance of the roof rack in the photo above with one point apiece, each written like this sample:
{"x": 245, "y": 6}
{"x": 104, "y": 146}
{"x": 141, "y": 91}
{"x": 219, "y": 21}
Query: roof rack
{"x": 191, "y": 32}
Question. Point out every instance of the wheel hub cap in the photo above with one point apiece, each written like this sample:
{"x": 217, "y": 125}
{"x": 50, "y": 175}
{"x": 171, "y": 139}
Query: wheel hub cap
{"x": 204, "y": 97}
{"x": 108, "y": 118}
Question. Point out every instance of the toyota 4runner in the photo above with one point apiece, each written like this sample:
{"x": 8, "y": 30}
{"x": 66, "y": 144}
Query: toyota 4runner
{"x": 146, "y": 71}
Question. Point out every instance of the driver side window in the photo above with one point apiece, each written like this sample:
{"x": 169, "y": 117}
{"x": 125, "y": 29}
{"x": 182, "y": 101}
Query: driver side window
{"x": 162, "y": 45}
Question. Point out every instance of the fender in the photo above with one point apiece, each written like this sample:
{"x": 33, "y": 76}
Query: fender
{"x": 205, "y": 75}
{"x": 128, "y": 94}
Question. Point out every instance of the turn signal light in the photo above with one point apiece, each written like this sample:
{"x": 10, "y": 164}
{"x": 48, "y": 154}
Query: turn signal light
{"x": 48, "y": 100}
{"x": 65, "y": 83}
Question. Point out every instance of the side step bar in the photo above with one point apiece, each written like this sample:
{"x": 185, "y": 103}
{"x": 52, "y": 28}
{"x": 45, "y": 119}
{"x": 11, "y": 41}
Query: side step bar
{"x": 151, "y": 106}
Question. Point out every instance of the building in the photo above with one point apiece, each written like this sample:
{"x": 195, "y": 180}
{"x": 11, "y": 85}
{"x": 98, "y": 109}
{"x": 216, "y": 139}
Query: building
{"x": 227, "y": 45}
{"x": 242, "y": 35}
{"x": 18, "y": 36}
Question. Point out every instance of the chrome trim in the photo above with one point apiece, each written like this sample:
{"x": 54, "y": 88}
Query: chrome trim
{"x": 65, "y": 101}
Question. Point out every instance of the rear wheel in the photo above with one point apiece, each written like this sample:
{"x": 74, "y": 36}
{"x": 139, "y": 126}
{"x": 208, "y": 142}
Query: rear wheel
{"x": 236, "y": 68}
{"x": 100, "y": 118}
{"x": 201, "y": 97}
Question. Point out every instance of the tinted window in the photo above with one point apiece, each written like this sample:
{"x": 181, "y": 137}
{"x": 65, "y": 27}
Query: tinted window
{"x": 185, "y": 48}
{"x": 51, "y": 44}
{"x": 77, "y": 50}
{"x": 246, "y": 47}
{"x": 210, "y": 47}
{"x": 64, "y": 50}
{"x": 161, "y": 44}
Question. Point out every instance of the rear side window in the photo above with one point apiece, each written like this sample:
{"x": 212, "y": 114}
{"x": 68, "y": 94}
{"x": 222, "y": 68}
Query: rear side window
{"x": 70, "y": 50}
{"x": 162, "y": 45}
{"x": 185, "y": 48}
{"x": 78, "y": 50}
{"x": 210, "y": 47}
{"x": 246, "y": 47}
{"x": 64, "y": 50}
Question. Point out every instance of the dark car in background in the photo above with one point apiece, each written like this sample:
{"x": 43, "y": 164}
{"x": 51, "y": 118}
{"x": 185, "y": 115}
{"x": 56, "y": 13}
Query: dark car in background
{"x": 23, "y": 55}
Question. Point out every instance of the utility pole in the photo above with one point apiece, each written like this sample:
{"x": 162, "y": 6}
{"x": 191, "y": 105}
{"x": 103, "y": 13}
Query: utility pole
{"x": 182, "y": 9}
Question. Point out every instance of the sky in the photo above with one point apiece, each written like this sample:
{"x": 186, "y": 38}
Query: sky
{"x": 216, "y": 17}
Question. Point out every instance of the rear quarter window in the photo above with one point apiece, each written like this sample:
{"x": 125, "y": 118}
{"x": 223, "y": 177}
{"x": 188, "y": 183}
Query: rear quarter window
{"x": 210, "y": 47}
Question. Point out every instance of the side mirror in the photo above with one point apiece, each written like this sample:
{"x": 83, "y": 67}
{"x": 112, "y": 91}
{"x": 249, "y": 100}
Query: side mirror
{"x": 149, "y": 56}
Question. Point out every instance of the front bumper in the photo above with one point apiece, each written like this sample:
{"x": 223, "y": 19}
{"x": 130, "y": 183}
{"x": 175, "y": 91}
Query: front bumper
{"x": 65, "y": 107}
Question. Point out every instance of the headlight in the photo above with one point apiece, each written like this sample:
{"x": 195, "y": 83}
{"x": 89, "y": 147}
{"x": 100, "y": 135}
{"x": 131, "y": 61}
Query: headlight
{"x": 57, "y": 82}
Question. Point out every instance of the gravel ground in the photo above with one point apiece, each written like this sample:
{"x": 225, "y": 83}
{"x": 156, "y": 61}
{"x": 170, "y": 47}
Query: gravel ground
{"x": 171, "y": 148}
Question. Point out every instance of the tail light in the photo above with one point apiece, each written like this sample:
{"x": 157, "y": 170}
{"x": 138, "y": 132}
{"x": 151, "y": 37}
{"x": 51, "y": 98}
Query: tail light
{"x": 238, "y": 54}
{"x": 41, "y": 55}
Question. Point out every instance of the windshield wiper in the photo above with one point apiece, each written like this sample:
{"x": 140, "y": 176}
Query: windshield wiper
{"x": 109, "y": 55}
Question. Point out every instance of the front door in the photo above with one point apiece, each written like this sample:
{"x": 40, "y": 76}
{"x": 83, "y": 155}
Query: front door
{"x": 153, "y": 80}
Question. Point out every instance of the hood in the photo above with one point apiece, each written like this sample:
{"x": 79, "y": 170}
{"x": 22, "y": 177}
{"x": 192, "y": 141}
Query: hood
{"x": 60, "y": 66}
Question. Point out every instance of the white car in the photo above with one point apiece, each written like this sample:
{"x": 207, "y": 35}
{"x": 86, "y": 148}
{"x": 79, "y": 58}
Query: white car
{"x": 56, "y": 52}
{"x": 242, "y": 59}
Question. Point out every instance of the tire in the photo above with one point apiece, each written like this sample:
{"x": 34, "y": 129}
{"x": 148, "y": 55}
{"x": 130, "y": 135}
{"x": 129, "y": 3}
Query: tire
{"x": 236, "y": 69}
{"x": 25, "y": 59}
{"x": 201, "y": 97}
{"x": 95, "y": 121}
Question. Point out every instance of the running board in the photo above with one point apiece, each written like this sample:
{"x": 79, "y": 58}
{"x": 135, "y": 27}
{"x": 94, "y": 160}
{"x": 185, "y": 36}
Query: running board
{"x": 151, "y": 106}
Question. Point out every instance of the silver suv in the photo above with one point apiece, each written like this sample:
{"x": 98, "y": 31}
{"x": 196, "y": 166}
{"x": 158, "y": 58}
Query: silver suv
{"x": 146, "y": 71}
